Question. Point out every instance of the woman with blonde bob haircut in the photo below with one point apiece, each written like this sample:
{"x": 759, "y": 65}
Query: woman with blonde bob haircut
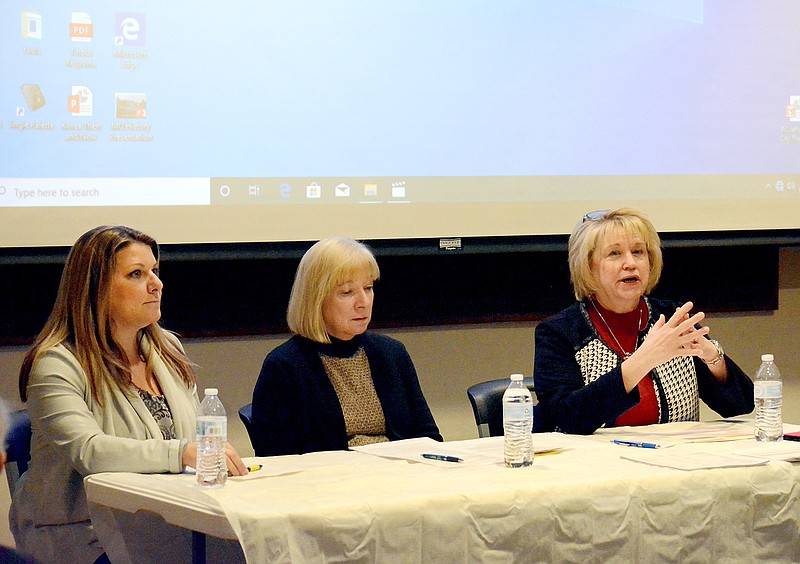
{"x": 107, "y": 389}
{"x": 618, "y": 357}
{"x": 334, "y": 385}
{"x": 325, "y": 266}
{"x": 584, "y": 241}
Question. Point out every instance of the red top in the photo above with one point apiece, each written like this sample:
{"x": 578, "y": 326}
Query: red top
{"x": 626, "y": 327}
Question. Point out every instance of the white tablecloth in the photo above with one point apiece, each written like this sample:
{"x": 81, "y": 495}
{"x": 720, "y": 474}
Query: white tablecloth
{"x": 585, "y": 504}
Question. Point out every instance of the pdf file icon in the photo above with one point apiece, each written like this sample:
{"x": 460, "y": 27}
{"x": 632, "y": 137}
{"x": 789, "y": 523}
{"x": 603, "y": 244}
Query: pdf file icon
{"x": 80, "y": 27}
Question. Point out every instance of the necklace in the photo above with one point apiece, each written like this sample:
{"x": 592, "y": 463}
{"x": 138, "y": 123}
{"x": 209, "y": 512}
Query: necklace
{"x": 613, "y": 336}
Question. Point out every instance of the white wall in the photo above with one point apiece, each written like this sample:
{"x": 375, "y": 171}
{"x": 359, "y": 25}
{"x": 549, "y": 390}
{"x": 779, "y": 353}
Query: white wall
{"x": 449, "y": 359}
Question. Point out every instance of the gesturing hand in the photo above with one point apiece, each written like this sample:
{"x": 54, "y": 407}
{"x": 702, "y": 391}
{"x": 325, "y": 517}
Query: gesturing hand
{"x": 674, "y": 337}
{"x": 667, "y": 339}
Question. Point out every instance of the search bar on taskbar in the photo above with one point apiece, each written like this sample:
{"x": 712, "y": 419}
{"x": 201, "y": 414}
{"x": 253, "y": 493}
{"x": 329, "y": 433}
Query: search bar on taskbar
{"x": 74, "y": 192}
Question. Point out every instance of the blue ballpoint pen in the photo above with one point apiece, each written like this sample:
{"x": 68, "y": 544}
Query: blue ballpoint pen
{"x": 442, "y": 457}
{"x": 634, "y": 444}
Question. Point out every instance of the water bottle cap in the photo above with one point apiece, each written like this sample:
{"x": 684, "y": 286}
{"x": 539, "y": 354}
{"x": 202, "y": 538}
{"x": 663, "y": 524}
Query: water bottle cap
{"x": 516, "y": 377}
{"x": 211, "y": 392}
{"x": 767, "y": 358}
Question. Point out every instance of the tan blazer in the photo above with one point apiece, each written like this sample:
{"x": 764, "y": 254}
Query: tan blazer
{"x": 74, "y": 436}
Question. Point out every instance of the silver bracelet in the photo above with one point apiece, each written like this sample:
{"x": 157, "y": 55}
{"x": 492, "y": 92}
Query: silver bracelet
{"x": 720, "y": 354}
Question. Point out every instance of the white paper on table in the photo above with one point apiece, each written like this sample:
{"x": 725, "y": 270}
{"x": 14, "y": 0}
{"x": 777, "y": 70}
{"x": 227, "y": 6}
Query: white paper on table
{"x": 290, "y": 464}
{"x": 681, "y": 432}
{"x": 782, "y": 450}
{"x": 473, "y": 452}
{"x": 690, "y": 460}
{"x": 413, "y": 449}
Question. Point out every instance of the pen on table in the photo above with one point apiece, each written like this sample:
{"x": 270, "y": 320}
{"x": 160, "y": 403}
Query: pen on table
{"x": 254, "y": 467}
{"x": 442, "y": 457}
{"x": 634, "y": 444}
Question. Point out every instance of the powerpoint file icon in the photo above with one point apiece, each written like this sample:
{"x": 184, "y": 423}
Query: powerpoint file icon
{"x": 79, "y": 103}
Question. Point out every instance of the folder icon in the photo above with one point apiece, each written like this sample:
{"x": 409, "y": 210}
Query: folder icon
{"x": 342, "y": 190}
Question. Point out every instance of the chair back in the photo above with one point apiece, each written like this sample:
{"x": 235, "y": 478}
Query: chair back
{"x": 18, "y": 447}
{"x": 246, "y": 415}
{"x": 487, "y": 405}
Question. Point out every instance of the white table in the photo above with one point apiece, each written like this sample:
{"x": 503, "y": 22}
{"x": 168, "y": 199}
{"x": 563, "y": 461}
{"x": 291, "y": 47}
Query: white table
{"x": 585, "y": 504}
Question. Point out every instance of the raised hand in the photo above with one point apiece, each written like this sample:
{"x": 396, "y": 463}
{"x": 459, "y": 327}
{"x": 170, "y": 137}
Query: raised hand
{"x": 667, "y": 339}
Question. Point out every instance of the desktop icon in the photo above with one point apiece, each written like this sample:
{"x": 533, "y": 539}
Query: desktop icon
{"x": 793, "y": 109}
{"x": 342, "y": 190}
{"x": 370, "y": 189}
{"x": 129, "y": 29}
{"x": 79, "y": 103}
{"x": 33, "y": 96}
{"x": 313, "y": 190}
{"x": 31, "y": 25}
{"x": 399, "y": 189}
{"x": 130, "y": 105}
{"x": 80, "y": 27}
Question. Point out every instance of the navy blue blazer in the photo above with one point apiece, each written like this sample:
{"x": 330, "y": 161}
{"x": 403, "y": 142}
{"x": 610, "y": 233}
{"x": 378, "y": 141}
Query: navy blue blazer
{"x": 296, "y": 409}
{"x": 568, "y": 404}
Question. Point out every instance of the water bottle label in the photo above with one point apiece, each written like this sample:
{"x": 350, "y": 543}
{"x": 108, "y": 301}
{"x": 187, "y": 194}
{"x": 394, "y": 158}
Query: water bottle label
{"x": 210, "y": 428}
{"x": 517, "y": 411}
{"x": 768, "y": 389}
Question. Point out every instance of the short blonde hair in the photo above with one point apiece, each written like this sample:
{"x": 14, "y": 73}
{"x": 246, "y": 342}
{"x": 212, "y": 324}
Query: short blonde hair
{"x": 584, "y": 239}
{"x": 326, "y": 265}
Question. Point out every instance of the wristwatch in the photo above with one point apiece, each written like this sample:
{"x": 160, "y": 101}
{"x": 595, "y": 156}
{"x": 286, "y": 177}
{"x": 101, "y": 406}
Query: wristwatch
{"x": 720, "y": 354}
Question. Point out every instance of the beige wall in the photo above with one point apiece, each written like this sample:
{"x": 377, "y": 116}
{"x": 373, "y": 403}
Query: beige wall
{"x": 449, "y": 359}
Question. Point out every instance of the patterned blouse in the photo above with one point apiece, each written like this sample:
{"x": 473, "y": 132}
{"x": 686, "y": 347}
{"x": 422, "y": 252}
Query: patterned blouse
{"x": 362, "y": 410}
{"x": 157, "y": 406}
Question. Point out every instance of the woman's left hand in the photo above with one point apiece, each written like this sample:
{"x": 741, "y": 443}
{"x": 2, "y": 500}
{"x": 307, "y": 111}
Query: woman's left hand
{"x": 705, "y": 350}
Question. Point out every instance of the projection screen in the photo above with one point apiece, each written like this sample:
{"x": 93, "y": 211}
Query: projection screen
{"x": 252, "y": 121}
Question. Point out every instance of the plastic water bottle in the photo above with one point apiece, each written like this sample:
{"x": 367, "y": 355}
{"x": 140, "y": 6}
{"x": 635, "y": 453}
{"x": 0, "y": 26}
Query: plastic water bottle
{"x": 212, "y": 435}
{"x": 769, "y": 400}
{"x": 518, "y": 424}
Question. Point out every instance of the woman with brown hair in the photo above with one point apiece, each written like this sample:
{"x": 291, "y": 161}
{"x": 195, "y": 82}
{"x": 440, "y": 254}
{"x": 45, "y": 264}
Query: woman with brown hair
{"x": 107, "y": 390}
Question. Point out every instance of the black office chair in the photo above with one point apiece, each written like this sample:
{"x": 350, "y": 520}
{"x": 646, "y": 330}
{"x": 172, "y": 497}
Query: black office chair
{"x": 18, "y": 446}
{"x": 246, "y": 415}
{"x": 487, "y": 405}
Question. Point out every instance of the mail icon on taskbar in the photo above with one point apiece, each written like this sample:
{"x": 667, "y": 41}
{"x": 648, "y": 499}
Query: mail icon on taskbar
{"x": 342, "y": 190}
